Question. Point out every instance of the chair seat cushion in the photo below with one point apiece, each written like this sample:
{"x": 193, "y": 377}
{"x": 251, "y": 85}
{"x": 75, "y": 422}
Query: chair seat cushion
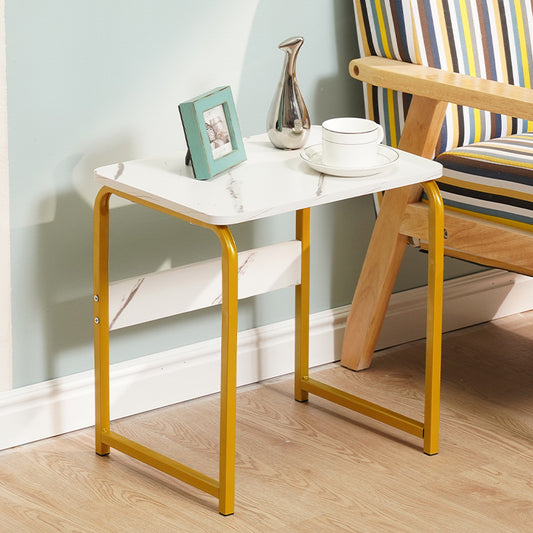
{"x": 492, "y": 179}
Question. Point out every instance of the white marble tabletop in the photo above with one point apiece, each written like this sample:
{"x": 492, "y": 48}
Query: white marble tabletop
{"x": 270, "y": 182}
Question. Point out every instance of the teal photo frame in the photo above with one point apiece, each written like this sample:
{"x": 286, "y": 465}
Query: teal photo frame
{"x": 212, "y": 133}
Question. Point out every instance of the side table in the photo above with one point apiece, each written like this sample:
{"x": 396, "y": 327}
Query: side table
{"x": 270, "y": 182}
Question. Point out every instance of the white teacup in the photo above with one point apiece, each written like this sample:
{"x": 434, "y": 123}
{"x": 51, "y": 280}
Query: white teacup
{"x": 350, "y": 142}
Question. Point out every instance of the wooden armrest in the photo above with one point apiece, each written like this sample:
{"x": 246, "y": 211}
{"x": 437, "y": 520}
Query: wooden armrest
{"x": 437, "y": 84}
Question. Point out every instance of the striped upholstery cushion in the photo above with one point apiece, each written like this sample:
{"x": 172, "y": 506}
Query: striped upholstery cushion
{"x": 493, "y": 179}
{"x": 486, "y": 38}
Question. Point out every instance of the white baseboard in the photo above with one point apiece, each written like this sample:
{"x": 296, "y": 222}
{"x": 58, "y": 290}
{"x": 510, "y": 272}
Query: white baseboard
{"x": 66, "y": 404}
{"x": 468, "y": 300}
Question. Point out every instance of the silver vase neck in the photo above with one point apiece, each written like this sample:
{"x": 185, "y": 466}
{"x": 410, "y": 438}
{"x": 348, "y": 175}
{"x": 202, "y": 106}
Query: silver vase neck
{"x": 291, "y": 46}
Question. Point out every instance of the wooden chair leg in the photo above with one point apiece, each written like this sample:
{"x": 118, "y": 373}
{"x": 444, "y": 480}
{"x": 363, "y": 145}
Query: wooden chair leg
{"x": 387, "y": 245}
{"x": 371, "y": 298}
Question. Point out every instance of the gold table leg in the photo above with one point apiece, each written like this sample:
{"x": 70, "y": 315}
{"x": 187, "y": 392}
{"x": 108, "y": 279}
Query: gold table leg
{"x": 224, "y": 488}
{"x": 101, "y": 318}
{"x": 301, "y": 372}
{"x": 228, "y": 391}
{"x": 428, "y": 430}
{"x": 434, "y": 318}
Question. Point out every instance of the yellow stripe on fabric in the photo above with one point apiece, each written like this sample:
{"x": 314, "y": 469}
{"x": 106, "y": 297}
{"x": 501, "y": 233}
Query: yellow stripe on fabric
{"x": 361, "y": 29}
{"x": 499, "y": 220}
{"x": 500, "y": 191}
{"x": 468, "y": 40}
{"x": 471, "y": 64}
{"x": 477, "y": 125}
{"x": 492, "y": 159}
{"x": 383, "y": 30}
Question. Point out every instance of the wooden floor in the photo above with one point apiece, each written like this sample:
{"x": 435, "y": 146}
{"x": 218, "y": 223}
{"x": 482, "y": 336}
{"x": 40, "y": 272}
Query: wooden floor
{"x": 311, "y": 467}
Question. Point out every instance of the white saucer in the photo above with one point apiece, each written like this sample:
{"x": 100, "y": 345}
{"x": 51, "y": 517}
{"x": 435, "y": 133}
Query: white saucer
{"x": 312, "y": 155}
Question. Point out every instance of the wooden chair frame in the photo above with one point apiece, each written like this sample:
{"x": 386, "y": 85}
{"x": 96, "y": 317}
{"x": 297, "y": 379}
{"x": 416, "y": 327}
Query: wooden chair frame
{"x": 402, "y": 215}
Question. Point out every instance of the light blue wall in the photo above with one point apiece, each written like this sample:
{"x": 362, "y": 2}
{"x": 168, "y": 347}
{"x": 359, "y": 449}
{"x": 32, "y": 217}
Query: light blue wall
{"x": 94, "y": 82}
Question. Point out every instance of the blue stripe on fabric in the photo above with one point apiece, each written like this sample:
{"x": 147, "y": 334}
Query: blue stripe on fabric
{"x": 461, "y": 31}
{"x": 429, "y": 6}
{"x": 400, "y": 22}
{"x": 377, "y": 28}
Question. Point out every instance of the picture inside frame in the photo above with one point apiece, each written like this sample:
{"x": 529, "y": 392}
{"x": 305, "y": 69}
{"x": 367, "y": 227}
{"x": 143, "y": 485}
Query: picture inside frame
{"x": 217, "y": 129}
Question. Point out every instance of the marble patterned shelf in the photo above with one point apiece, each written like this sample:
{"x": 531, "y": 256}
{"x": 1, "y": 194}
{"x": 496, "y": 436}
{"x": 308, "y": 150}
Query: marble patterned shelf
{"x": 270, "y": 182}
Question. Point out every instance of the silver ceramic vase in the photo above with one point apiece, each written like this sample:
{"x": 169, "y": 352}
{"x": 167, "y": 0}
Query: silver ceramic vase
{"x": 288, "y": 121}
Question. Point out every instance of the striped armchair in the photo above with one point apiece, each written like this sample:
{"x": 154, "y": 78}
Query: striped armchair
{"x": 449, "y": 79}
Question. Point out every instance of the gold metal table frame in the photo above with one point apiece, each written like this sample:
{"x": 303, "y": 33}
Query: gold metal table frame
{"x": 224, "y": 487}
